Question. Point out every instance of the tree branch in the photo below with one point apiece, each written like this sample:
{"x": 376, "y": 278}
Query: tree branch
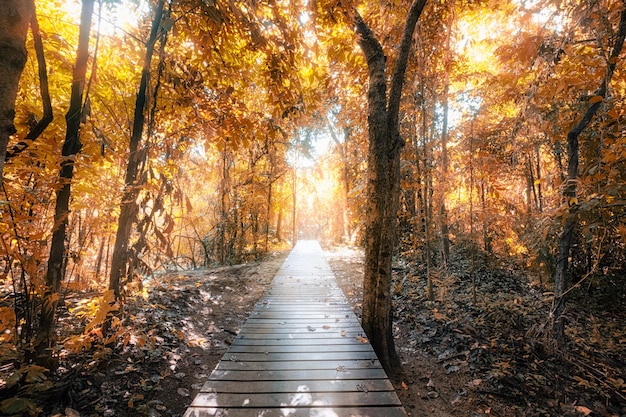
{"x": 397, "y": 79}
{"x": 41, "y": 125}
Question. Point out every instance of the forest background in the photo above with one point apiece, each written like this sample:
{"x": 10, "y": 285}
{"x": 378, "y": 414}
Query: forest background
{"x": 159, "y": 136}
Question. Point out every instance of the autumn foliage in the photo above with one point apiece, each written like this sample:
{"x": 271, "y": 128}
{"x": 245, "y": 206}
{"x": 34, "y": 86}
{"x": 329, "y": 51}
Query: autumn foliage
{"x": 254, "y": 134}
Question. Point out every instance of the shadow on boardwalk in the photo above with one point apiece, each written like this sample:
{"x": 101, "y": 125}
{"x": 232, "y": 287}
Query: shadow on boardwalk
{"x": 300, "y": 353}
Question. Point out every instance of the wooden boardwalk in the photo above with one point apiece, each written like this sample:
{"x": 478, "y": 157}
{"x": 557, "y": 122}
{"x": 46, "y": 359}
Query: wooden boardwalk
{"x": 301, "y": 353}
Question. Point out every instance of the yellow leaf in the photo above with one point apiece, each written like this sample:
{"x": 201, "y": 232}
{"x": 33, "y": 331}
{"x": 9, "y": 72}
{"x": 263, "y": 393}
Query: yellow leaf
{"x": 573, "y": 201}
{"x": 37, "y": 236}
{"x": 595, "y": 99}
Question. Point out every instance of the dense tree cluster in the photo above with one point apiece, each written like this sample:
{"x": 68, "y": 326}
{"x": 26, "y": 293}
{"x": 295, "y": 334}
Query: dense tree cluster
{"x": 173, "y": 132}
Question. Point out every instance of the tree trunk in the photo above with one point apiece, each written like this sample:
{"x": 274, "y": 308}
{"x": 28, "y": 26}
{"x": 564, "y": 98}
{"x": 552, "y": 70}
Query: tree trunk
{"x": 561, "y": 279}
{"x": 128, "y": 206}
{"x": 443, "y": 214}
{"x": 14, "y": 20}
{"x": 539, "y": 179}
{"x": 294, "y": 208}
{"x": 345, "y": 181}
{"x": 44, "y": 88}
{"x": 71, "y": 147}
{"x": 383, "y": 183}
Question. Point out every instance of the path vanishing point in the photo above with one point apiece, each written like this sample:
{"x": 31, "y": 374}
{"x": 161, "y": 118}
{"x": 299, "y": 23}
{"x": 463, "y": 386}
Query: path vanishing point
{"x": 301, "y": 353}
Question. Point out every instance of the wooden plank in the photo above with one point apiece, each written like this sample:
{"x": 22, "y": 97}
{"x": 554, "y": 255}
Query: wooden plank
{"x": 290, "y": 375}
{"x": 299, "y": 412}
{"x": 302, "y": 325}
{"x": 350, "y": 334}
{"x": 303, "y": 321}
{"x": 337, "y": 365}
{"x": 352, "y": 347}
{"x": 302, "y": 330}
{"x": 292, "y": 386}
{"x": 299, "y": 354}
{"x": 316, "y": 343}
{"x": 303, "y": 356}
{"x": 302, "y": 398}
{"x": 297, "y": 313}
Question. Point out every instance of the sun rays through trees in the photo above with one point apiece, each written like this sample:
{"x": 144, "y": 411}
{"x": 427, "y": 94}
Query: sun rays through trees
{"x": 140, "y": 137}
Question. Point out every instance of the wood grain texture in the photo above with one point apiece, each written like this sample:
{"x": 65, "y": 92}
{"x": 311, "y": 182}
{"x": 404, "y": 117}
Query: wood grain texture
{"x": 302, "y": 352}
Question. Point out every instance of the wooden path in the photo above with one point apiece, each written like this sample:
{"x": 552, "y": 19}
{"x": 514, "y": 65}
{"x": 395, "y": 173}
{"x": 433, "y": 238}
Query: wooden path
{"x": 301, "y": 353}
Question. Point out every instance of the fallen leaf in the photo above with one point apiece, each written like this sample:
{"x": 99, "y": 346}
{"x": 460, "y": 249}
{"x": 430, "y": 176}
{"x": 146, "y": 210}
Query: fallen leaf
{"x": 70, "y": 412}
{"x": 583, "y": 410}
{"x": 404, "y": 386}
{"x": 362, "y": 339}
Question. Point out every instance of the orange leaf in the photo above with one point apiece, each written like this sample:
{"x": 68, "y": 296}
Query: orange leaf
{"x": 595, "y": 99}
{"x": 404, "y": 386}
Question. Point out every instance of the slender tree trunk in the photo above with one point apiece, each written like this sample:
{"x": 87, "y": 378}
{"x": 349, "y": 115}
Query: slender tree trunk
{"x": 539, "y": 179}
{"x": 345, "y": 227}
{"x": 224, "y": 192}
{"x": 15, "y": 16}
{"x": 443, "y": 214}
{"x": 561, "y": 280}
{"x": 71, "y": 147}
{"x": 294, "y": 210}
{"x": 128, "y": 206}
{"x": 383, "y": 182}
{"x": 268, "y": 214}
{"x": 279, "y": 224}
{"x": 99, "y": 257}
{"x": 529, "y": 188}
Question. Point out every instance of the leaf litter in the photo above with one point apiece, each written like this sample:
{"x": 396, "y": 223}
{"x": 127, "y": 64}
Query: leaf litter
{"x": 173, "y": 338}
{"x": 466, "y": 358}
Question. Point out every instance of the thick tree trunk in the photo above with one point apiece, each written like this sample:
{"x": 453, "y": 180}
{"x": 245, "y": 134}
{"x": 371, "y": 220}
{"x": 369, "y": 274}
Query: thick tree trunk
{"x": 71, "y": 147}
{"x": 561, "y": 279}
{"x": 128, "y": 206}
{"x": 383, "y": 183}
{"x": 15, "y": 16}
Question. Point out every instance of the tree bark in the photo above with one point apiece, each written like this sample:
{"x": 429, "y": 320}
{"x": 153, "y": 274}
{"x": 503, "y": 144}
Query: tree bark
{"x": 47, "y": 116}
{"x": 71, "y": 147}
{"x": 14, "y": 20}
{"x": 561, "y": 280}
{"x": 383, "y": 182}
{"x": 443, "y": 214}
{"x": 128, "y": 206}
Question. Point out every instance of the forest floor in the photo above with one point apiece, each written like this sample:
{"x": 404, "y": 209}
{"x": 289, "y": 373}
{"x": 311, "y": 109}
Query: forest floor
{"x": 460, "y": 356}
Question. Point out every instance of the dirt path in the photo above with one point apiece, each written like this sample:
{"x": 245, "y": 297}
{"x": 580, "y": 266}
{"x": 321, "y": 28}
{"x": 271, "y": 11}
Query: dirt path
{"x": 459, "y": 358}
